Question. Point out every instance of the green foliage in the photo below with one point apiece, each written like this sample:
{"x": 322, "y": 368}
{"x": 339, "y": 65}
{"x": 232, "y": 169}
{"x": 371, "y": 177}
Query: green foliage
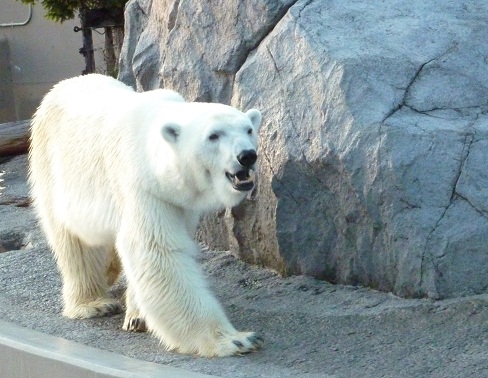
{"x": 62, "y": 10}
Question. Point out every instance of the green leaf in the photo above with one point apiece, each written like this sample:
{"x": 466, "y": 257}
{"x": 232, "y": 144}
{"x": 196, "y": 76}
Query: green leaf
{"x": 62, "y": 10}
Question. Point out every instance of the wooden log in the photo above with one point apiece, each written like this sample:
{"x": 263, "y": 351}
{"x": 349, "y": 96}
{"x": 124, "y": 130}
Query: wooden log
{"x": 14, "y": 138}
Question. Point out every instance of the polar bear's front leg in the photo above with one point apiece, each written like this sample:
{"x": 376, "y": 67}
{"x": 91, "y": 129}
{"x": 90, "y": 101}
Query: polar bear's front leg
{"x": 171, "y": 294}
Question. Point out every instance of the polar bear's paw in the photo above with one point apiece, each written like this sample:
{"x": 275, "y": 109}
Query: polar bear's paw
{"x": 133, "y": 322}
{"x": 238, "y": 344}
{"x": 98, "y": 308}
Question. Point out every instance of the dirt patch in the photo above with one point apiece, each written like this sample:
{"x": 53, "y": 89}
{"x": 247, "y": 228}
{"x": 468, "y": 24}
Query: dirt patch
{"x": 19, "y": 201}
{"x": 14, "y": 240}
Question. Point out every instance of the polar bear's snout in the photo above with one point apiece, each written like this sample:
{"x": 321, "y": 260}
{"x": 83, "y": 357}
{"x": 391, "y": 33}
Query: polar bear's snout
{"x": 243, "y": 179}
{"x": 247, "y": 158}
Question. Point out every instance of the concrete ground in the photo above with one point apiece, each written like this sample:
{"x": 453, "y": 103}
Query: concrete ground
{"x": 311, "y": 328}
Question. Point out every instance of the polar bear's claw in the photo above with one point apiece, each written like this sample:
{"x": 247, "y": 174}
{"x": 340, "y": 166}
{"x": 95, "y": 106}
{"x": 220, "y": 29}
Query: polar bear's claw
{"x": 98, "y": 308}
{"x": 241, "y": 343}
{"x": 256, "y": 341}
{"x": 109, "y": 308}
{"x": 135, "y": 325}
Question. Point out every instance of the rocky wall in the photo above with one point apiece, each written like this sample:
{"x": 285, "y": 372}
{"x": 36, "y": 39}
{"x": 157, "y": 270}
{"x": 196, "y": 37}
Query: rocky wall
{"x": 373, "y": 150}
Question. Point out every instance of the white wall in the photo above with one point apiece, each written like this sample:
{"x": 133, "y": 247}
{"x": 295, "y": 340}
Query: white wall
{"x": 42, "y": 53}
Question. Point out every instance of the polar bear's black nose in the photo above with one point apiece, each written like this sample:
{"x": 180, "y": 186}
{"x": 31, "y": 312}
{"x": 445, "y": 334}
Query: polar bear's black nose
{"x": 247, "y": 158}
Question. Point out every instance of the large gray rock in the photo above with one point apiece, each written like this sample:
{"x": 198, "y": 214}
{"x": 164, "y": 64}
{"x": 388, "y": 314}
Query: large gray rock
{"x": 373, "y": 148}
{"x": 194, "y": 47}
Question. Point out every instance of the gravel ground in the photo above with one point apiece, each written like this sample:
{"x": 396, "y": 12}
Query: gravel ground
{"x": 311, "y": 328}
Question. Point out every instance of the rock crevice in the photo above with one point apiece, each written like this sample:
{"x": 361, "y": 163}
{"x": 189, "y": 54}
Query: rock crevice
{"x": 267, "y": 31}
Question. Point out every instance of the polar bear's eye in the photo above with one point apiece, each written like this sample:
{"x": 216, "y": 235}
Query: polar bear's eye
{"x": 249, "y": 131}
{"x": 213, "y": 137}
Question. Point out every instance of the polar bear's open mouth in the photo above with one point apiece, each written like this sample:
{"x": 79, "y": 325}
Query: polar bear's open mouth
{"x": 242, "y": 180}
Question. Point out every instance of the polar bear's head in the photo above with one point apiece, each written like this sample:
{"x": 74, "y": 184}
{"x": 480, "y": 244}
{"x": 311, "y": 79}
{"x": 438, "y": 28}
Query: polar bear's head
{"x": 216, "y": 150}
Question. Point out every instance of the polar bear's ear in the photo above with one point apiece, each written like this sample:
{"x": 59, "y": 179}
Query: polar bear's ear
{"x": 255, "y": 117}
{"x": 171, "y": 132}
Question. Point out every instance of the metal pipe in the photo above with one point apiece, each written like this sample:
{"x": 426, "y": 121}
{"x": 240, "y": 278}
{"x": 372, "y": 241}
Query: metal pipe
{"x": 12, "y": 24}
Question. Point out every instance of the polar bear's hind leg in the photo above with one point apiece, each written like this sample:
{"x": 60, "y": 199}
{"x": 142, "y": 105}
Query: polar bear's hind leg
{"x": 85, "y": 276}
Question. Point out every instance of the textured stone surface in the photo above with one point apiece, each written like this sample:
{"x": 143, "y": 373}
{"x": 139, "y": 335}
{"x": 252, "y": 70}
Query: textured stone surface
{"x": 373, "y": 155}
{"x": 194, "y": 47}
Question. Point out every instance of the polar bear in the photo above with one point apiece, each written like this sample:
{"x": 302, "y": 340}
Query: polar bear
{"x": 119, "y": 174}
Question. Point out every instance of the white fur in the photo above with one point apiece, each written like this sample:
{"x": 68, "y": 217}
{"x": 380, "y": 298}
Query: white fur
{"x": 112, "y": 169}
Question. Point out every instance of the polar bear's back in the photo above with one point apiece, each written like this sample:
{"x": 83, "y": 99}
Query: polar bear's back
{"x": 73, "y": 116}
{"x": 84, "y": 95}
